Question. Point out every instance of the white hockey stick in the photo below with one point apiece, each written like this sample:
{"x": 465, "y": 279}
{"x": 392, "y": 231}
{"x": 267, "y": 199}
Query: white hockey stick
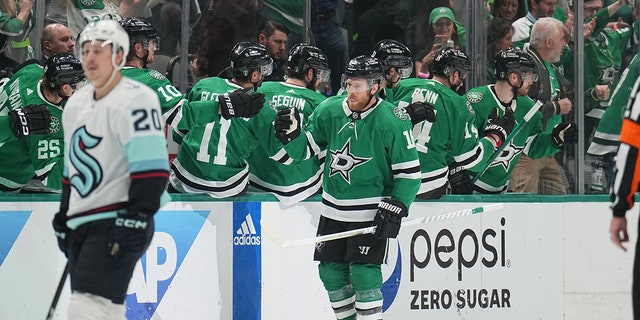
{"x": 356, "y": 232}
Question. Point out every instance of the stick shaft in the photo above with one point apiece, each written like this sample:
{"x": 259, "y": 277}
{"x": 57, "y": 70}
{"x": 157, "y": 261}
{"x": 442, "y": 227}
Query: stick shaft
{"x": 56, "y": 297}
{"x": 367, "y": 230}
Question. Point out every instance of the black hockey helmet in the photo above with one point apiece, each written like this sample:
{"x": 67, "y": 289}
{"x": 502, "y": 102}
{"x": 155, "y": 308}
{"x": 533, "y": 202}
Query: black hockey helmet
{"x": 63, "y": 68}
{"x": 303, "y": 57}
{"x": 394, "y": 54}
{"x": 247, "y": 56}
{"x": 365, "y": 68}
{"x": 448, "y": 60}
{"x": 512, "y": 60}
{"x": 139, "y": 31}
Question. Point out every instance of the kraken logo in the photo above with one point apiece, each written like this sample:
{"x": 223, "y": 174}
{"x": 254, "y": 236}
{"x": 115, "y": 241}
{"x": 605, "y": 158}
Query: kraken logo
{"x": 89, "y": 172}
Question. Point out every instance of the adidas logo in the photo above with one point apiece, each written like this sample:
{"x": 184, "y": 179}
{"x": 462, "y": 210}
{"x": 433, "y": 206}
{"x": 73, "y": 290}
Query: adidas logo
{"x": 246, "y": 235}
{"x": 291, "y": 91}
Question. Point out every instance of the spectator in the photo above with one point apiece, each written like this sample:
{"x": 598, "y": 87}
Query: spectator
{"x": 273, "y": 36}
{"x": 538, "y": 9}
{"x": 499, "y": 38}
{"x": 544, "y": 175}
{"x": 442, "y": 32}
{"x": 56, "y": 38}
{"x": 307, "y": 68}
{"x": 80, "y": 12}
{"x": 508, "y": 10}
{"x": 372, "y": 22}
{"x": 15, "y": 25}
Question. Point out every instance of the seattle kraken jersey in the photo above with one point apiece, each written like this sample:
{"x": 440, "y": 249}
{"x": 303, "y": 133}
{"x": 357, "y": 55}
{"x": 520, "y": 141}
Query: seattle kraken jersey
{"x": 169, "y": 96}
{"x": 530, "y": 140}
{"x": 607, "y": 136}
{"x": 38, "y": 156}
{"x": 301, "y": 179}
{"x": 370, "y": 156}
{"x": 213, "y": 152}
{"x": 453, "y": 137}
{"x": 112, "y": 146}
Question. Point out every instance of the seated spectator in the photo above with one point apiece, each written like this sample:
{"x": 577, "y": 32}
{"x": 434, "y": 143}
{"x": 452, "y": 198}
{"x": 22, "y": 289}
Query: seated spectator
{"x": 273, "y": 36}
{"x": 508, "y": 10}
{"x": 499, "y": 38}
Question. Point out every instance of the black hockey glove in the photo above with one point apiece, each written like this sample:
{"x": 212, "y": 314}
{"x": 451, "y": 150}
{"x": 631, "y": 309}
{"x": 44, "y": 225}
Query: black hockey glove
{"x": 240, "y": 103}
{"x": 419, "y": 111}
{"x": 388, "y": 218}
{"x": 131, "y": 234}
{"x": 459, "y": 179}
{"x": 563, "y": 133}
{"x": 287, "y": 124}
{"x": 32, "y": 119}
{"x": 500, "y": 127}
{"x": 61, "y": 231}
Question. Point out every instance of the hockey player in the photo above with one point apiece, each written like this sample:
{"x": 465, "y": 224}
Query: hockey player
{"x": 307, "y": 68}
{"x": 444, "y": 153}
{"x": 214, "y": 150}
{"x": 397, "y": 61}
{"x": 40, "y": 156}
{"x": 515, "y": 71}
{"x": 371, "y": 176}
{"x": 115, "y": 174}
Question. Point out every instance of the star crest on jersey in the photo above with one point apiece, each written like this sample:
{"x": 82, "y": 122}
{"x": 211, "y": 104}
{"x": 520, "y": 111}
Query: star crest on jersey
{"x": 156, "y": 74}
{"x": 343, "y": 162}
{"x": 55, "y": 124}
{"x": 474, "y": 97}
{"x": 88, "y": 3}
{"x": 507, "y": 155}
{"x": 401, "y": 113}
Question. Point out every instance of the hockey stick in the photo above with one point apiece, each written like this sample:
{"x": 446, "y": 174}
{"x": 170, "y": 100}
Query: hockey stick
{"x": 56, "y": 297}
{"x": 506, "y": 141}
{"x": 357, "y": 232}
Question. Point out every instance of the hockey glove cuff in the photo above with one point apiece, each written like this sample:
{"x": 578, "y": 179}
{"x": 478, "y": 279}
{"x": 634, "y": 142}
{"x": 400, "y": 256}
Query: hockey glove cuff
{"x": 459, "y": 179}
{"x": 388, "y": 218}
{"x": 419, "y": 111}
{"x": 240, "y": 103}
{"x": 563, "y": 133}
{"x": 131, "y": 234}
{"x": 287, "y": 124}
{"x": 500, "y": 127}
{"x": 33, "y": 119}
{"x": 61, "y": 231}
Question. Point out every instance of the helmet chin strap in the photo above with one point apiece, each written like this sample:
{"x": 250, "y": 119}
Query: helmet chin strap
{"x": 514, "y": 88}
{"x": 142, "y": 59}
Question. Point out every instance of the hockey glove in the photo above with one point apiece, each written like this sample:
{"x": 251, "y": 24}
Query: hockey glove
{"x": 388, "y": 218}
{"x": 500, "y": 127}
{"x": 563, "y": 133}
{"x": 240, "y": 103}
{"x": 131, "y": 234}
{"x": 459, "y": 179}
{"x": 287, "y": 124}
{"x": 419, "y": 111}
{"x": 61, "y": 231}
{"x": 33, "y": 119}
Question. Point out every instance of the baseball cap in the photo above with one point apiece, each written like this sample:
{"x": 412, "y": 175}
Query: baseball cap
{"x": 441, "y": 12}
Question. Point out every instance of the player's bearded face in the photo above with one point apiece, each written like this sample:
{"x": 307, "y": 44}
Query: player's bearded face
{"x": 358, "y": 93}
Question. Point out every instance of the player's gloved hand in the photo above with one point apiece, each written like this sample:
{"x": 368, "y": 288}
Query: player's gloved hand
{"x": 388, "y": 218}
{"x": 240, "y": 103}
{"x": 563, "y": 133}
{"x": 32, "y": 119}
{"x": 61, "y": 231}
{"x": 287, "y": 124}
{"x": 420, "y": 111}
{"x": 459, "y": 179}
{"x": 500, "y": 127}
{"x": 131, "y": 234}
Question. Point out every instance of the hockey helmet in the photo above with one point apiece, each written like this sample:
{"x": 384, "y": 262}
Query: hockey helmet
{"x": 514, "y": 60}
{"x": 63, "y": 68}
{"x": 448, "y": 60}
{"x": 363, "y": 67}
{"x": 139, "y": 31}
{"x": 394, "y": 54}
{"x": 108, "y": 31}
{"x": 303, "y": 57}
{"x": 247, "y": 56}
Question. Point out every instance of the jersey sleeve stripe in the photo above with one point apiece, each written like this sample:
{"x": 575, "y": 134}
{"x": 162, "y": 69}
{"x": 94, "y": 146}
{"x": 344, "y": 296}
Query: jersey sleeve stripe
{"x": 144, "y": 175}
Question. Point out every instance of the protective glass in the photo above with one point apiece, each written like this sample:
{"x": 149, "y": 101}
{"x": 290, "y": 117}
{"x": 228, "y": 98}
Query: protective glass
{"x": 405, "y": 72}
{"x": 266, "y": 69}
{"x": 355, "y": 84}
{"x": 323, "y": 75}
{"x": 530, "y": 76}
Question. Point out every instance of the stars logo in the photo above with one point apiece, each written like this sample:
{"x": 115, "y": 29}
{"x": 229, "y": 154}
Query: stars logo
{"x": 474, "y": 97}
{"x": 157, "y": 75}
{"x": 343, "y": 161}
{"x": 506, "y": 157}
{"x": 401, "y": 113}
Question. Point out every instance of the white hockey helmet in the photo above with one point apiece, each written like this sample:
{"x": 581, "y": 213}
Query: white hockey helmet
{"x": 109, "y": 31}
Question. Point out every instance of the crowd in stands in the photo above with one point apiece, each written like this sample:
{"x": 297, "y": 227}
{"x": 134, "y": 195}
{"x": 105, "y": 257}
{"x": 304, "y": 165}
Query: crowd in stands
{"x": 254, "y": 45}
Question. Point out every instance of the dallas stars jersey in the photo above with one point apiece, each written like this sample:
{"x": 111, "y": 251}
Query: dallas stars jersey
{"x": 370, "y": 156}
{"x": 301, "y": 179}
{"x": 170, "y": 97}
{"x": 81, "y": 12}
{"x": 452, "y": 137}
{"x": 530, "y": 140}
{"x": 26, "y": 78}
{"x": 288, "y": 12}
{"x": 607, "y": 136}
{"x": 603, "y": 52}
{"x": 115, "y": 153}
{"x": 36, "y": 155}
{"x": 209, "y": 88}
{"x": 213, "y": 152}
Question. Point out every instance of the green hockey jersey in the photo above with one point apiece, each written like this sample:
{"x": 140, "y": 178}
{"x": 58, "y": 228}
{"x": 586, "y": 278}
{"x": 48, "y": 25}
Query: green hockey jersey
{"x": 301, "y": 179}
{"x": 370, "y": 156}
{"x": 453, "y": 137}
{"x": 213, "y": 150}
{"x": 530, "y": 140}
{"x": 170, "y": 97}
